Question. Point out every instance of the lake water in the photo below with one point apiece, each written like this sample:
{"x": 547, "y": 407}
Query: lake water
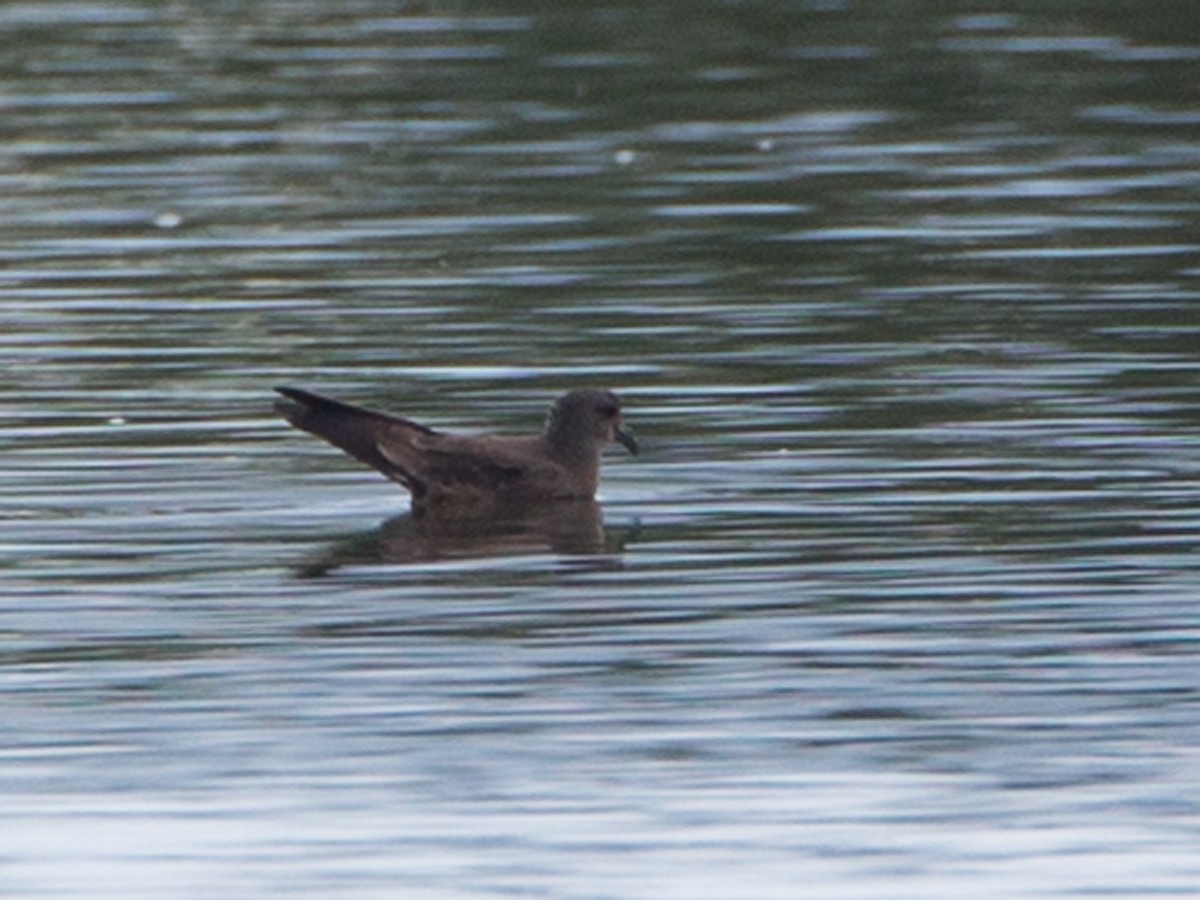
{"x": 901, "y": 599}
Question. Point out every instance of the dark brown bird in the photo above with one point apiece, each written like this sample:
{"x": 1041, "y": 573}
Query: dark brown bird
{"x": 454, "y": 475}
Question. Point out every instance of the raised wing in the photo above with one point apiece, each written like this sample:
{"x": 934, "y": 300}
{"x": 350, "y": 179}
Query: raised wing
{"x": 358, "y": 431}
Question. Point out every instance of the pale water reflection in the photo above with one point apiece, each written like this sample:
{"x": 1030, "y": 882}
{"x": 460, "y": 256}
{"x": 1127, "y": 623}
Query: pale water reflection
{"x": 900, "y": 598}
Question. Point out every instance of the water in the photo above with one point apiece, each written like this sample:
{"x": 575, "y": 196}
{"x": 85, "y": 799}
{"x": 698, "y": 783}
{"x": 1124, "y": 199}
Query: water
{"x": 899, "y": 599}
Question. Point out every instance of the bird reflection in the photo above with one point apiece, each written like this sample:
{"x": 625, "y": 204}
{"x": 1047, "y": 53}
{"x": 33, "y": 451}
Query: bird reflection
{"x": 573, "y": 528}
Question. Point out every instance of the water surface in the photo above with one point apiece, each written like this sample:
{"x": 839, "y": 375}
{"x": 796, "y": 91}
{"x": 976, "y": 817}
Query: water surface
{"x": 899, "y": 599}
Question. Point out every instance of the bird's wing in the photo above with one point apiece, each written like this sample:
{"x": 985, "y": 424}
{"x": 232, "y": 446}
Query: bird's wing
{"x": 360, "y": 432}
{"x": 446, "y": 468}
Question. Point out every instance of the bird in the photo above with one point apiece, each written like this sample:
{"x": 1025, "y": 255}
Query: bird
{"x": 452, "y": 475}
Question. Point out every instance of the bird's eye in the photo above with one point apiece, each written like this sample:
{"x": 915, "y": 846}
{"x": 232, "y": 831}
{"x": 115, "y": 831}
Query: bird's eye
{"x": 607, "y": 410}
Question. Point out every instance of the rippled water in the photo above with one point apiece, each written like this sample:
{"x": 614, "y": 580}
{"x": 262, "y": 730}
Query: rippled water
{"x": 900, "y": 598}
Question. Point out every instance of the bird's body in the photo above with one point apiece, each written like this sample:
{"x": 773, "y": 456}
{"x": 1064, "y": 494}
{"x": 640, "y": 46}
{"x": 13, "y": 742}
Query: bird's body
{"x": 451, "y": 474}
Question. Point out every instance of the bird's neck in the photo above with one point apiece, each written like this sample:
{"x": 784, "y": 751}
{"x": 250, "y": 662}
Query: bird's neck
{"x": 580, "y": 457}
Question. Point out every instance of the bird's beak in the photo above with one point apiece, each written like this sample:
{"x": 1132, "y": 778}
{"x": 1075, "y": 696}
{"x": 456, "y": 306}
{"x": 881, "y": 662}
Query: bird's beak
{"x": 625, "y": 439}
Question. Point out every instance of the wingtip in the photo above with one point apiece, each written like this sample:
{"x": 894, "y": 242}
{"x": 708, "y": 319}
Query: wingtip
{"x": 298, "y": 398}
{"x": 291, "y": 404}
